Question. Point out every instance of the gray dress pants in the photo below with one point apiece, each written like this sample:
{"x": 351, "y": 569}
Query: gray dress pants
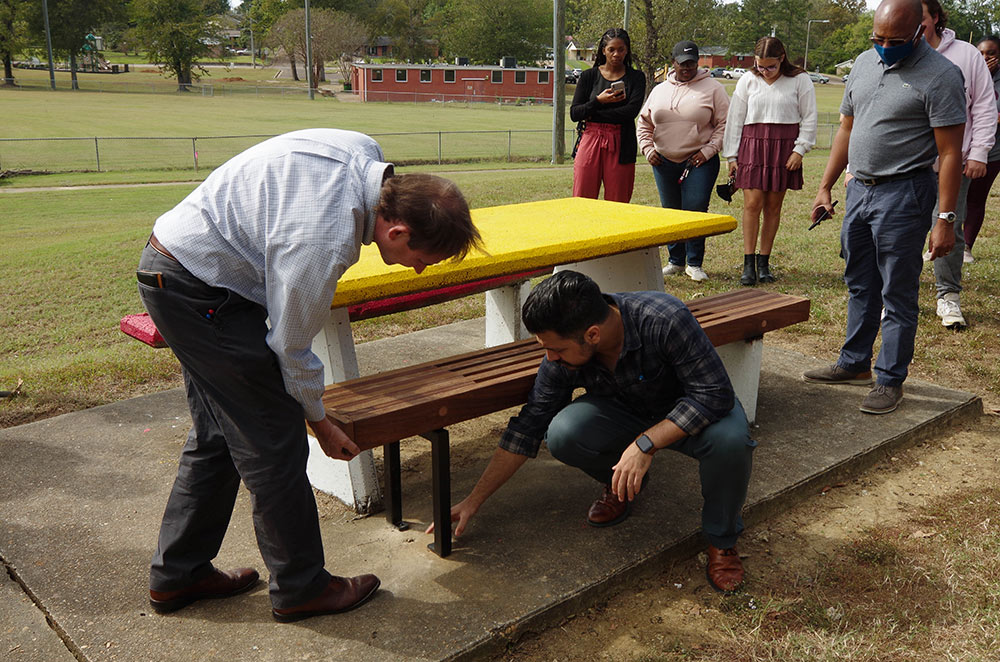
{"x": 244, "y": 426}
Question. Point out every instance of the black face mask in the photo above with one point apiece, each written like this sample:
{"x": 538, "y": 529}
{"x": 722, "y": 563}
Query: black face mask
{"x": 725, "y": 191}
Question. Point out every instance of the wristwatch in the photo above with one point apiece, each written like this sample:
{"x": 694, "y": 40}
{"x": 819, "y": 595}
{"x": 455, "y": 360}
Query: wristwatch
{"x": 645, "y": 444}
{"x": 948, "y": 216}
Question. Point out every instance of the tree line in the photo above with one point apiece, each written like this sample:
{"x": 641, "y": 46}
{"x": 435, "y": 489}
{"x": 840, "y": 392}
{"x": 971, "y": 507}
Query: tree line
{"x": 179, "y": 33}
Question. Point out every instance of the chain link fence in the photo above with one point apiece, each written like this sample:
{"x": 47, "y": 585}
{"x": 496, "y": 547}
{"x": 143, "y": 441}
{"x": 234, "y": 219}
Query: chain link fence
{"x": 207, "y": 152}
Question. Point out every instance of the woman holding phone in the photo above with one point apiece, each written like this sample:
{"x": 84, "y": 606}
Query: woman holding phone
{"x": 607, "y": 100}
{"x": 771, "y": 125}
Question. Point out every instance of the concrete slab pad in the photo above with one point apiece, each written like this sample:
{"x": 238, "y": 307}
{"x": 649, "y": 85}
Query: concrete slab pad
{"x": 81, "y": 497}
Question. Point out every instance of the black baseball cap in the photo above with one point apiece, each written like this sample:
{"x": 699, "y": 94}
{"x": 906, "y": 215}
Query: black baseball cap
{"x": 685, "y": 51}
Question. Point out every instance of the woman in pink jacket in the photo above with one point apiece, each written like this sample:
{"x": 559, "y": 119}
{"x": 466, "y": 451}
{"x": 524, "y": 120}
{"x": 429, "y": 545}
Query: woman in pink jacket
{"x": 680, "y": 133}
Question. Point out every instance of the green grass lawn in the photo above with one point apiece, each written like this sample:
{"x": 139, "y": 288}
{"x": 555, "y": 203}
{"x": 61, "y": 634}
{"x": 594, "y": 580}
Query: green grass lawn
{"x": 409, "y": 133}
{"x": 67, "y": 261}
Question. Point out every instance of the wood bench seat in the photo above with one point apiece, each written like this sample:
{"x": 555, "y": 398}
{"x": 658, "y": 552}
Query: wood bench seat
{"x": 422, "y": 400}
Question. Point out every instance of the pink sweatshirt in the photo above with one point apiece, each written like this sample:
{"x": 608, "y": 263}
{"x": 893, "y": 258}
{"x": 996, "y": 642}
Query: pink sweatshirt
{"x": 679, "y": 119}
{"x": 981, "y": 113}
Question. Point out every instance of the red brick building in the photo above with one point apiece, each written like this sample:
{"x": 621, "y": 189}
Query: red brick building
{"x": 451, "y": 82}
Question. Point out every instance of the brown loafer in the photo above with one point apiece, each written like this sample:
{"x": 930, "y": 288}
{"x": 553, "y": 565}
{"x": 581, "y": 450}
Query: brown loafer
{"x": 608, "y": 510}
{"x": 218, "y": 584}
{"x": 724, "y": 570}
{"x": 340, "y": 595}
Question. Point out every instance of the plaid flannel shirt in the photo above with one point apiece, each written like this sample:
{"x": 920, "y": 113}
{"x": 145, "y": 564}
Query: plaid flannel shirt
{"x": 668, "y": 369}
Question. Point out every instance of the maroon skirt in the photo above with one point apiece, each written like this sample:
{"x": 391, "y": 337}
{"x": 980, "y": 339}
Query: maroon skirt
{"x": 764, "y": 150}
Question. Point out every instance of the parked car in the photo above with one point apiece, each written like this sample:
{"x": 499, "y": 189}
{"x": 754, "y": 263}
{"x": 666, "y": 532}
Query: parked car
{"x": 572, "y": 78}
{"x": 843, "y": 79}
{"x": 735, "y": 73}
{"x": 718, "y": 72}
{"x": 242, "y": 51}
{"x": 819, "y": 78}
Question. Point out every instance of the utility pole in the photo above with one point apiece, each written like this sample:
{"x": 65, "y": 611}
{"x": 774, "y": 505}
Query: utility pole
{"x": 628, "y": 15}
{"x": 809, "y": 23}
{"x": 309, "y": 55}
{"x": 48, "y": 42}
{"x": 559, "y": 80}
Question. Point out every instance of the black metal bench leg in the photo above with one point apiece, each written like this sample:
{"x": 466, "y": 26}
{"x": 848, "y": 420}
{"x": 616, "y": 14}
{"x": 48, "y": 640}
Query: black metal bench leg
{"x": 393, "y": 487}
{"x": 441, "y": 483}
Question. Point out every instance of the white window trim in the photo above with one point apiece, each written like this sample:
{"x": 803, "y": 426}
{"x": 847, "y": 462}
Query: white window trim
{"x": 523, "y": 76}
{"x": 496, "y": 82}
{"x": 454, "y": 76}
{"x": 430, "y": 76}
{"x": 548, "y": 77}
{"x": 406, "y": 77}
{"x": 381, "y": 77}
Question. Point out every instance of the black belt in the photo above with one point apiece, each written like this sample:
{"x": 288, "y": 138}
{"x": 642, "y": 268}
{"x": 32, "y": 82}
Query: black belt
{"x": 875, "y": 181}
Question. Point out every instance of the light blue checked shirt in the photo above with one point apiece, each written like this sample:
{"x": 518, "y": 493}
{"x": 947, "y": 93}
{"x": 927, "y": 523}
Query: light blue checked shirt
{"x": 279, "y": 224}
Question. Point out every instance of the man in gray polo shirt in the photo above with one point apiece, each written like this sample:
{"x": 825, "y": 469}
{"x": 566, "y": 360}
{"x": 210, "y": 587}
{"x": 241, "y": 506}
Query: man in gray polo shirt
{"x": 903, "y": 106}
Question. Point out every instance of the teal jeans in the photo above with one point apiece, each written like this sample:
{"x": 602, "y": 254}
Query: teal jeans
{"x": 592, "y": 432}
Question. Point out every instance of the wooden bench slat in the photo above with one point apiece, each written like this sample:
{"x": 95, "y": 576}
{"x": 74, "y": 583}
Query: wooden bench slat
{"x": 400, "y": 403}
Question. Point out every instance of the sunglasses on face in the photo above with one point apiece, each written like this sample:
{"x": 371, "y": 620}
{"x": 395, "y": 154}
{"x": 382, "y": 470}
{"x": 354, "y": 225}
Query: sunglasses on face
{"x": 767, "y": 70}
{"x": 891, "y": 43}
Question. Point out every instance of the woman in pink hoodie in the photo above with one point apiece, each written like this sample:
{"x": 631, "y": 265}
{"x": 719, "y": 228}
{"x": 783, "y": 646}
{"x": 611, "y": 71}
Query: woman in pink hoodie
{"x": 680, "y": 133}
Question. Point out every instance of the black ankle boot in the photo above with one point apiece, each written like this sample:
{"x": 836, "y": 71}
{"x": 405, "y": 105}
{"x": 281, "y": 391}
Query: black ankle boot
{"x": 749, "y": 276}
{"x": 764, "y": 274}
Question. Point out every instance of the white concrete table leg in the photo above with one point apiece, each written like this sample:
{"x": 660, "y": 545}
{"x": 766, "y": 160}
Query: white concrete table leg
{"x": 637, "y": 271}
{"x": 503, "y": 313}
{"x": 355, "y": 482}
{"x": 742, "y": 360}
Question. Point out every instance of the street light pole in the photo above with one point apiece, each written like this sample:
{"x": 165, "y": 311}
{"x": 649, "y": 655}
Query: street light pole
{"x": 805, "y": 58}
{"x": 48, "y": 42}
{"x": 309, "y": 55}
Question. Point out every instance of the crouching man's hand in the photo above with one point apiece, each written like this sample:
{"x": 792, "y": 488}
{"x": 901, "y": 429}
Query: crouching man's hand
{"x": 627, "y": 479}
{"x": 461, "y": 512}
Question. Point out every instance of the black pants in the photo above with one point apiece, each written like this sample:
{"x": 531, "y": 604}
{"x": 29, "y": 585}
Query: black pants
{"x": 245, "y": 426}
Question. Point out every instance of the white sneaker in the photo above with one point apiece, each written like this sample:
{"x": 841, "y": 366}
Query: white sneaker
{"x": 697, "y": 274}
{"x": 672, "y": 269}
{"x": 927, "y": 256}
{"x": 967, "y": 256}
{"x": 950, "y": 312}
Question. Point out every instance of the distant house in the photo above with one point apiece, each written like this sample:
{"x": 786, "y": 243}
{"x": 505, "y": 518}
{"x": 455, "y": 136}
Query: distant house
{"x": 451, "y": 82}
{"x": 843, "y": 67}
{"x": 719, "y": 56}
{"x": 578, "y": 51}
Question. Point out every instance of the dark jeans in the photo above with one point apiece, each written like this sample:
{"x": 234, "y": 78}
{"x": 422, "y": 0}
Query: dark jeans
{"x": 693, "y": 194}
{"x": 244, "y": 426}
{"x": 592, "y": 432}
{"x": 882, "y": 239}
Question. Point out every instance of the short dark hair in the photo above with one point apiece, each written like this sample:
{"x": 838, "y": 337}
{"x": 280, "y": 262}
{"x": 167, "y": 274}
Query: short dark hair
{"x": 935, "y": 9}
{"x": 768, "y": 47}
{"x": 435, "y": 211}
{"x": 994, "y": 38}
{"x": 614, "y": 33}
{"x": 567, "y": 303}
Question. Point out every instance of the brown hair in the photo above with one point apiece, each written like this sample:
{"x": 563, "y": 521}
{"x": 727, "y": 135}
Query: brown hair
{"x": 935, "y": 9}
{"x": 768, "y": 47}
{"x": 435, "y": 211}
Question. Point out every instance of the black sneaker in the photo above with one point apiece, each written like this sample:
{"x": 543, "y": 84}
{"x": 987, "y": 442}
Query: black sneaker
{"x": 882, "y": 399}
{"x": 834, "y": 374}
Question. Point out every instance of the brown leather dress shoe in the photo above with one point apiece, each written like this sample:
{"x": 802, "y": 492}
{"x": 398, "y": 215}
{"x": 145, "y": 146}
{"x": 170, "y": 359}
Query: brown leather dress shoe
{"x": 219, "y": 584}
{"x": 725, "y": 569}
{"x": 340, "y": 595}
{"x": 608, "y": 510}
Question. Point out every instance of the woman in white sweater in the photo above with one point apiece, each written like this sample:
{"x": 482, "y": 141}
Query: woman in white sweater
{"x": 771, "y": 125}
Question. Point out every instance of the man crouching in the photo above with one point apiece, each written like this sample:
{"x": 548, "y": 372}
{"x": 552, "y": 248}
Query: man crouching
{"x": 653, "y": 380}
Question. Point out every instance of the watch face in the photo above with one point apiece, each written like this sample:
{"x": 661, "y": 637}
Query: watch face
{"x": 644, "y": 443}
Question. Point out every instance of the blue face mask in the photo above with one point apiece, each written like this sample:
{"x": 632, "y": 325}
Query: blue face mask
{"x": 893, "y": 54}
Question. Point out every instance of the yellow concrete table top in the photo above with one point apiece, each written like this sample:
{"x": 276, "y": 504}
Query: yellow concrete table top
{"x": 533, "y": 235}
